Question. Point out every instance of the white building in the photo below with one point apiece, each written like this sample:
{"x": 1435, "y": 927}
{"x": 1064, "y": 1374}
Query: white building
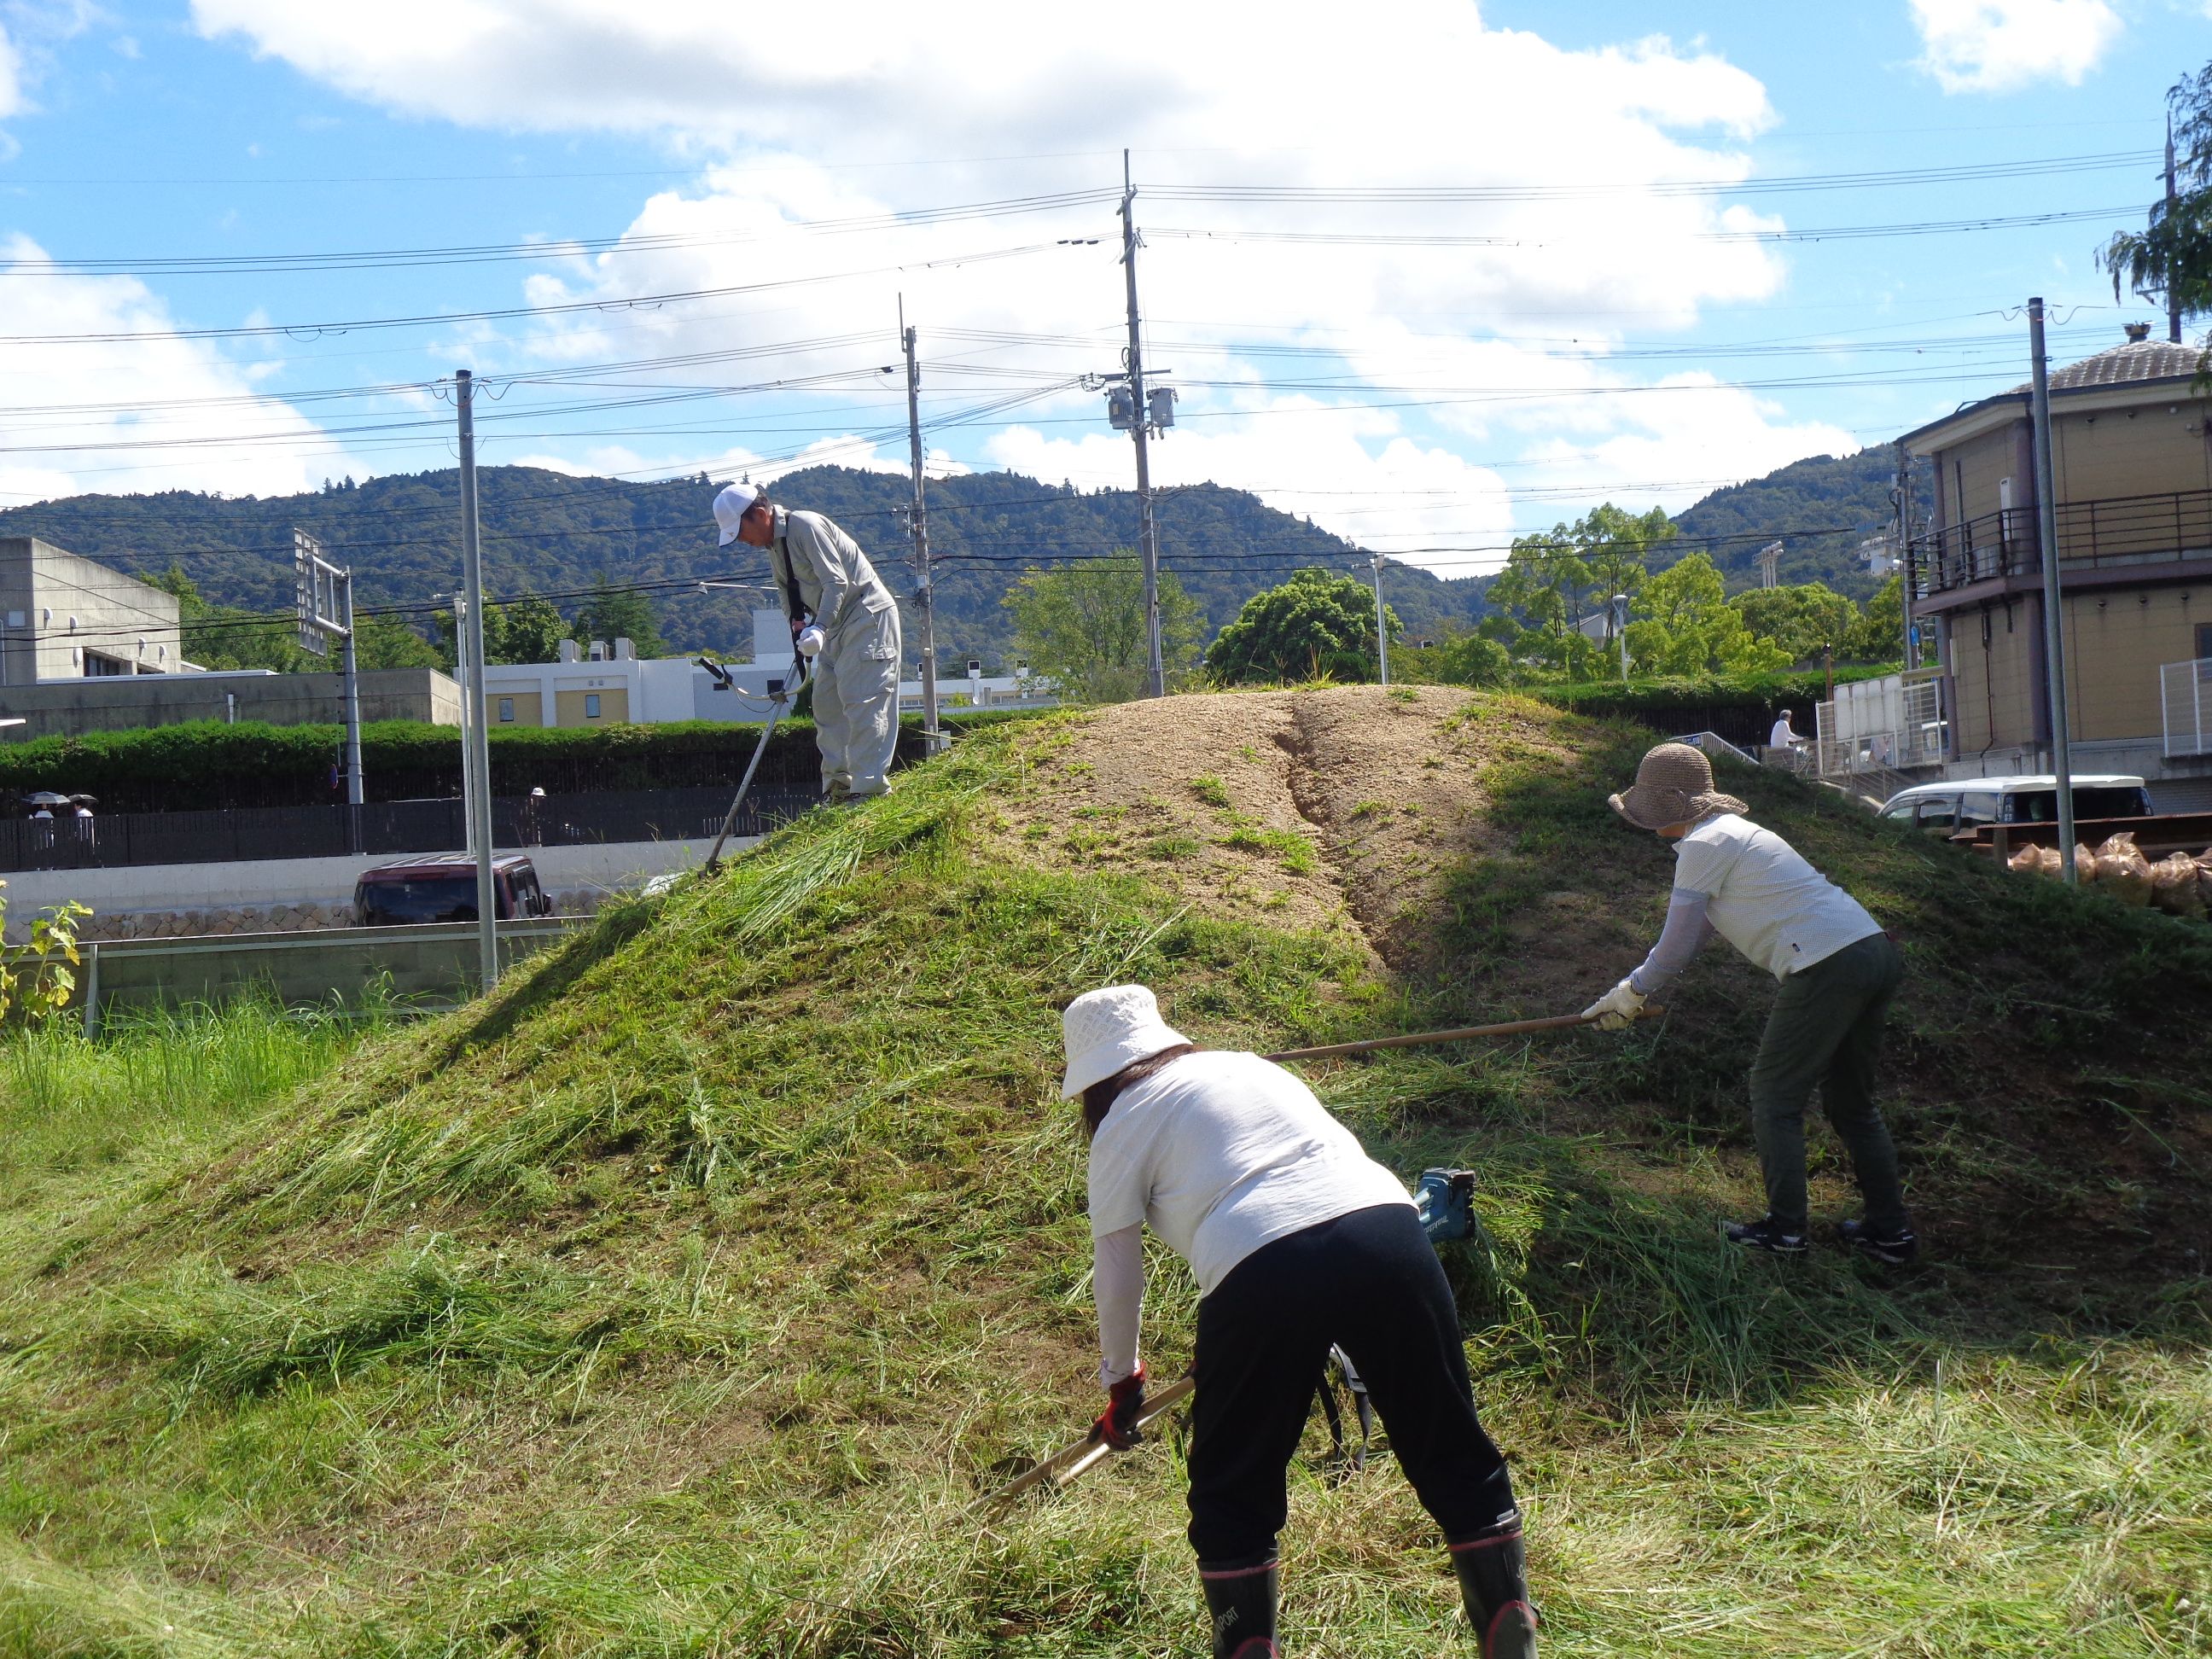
{"x": 607, "y": 683}
{"x": 64, "y": 618}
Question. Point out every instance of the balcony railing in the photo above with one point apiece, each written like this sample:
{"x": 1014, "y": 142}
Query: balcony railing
{"x": 2119, "y": 530}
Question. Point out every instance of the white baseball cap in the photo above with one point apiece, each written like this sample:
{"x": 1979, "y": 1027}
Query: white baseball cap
{"x": 730, "y": 507}
{"x": 1105, "y": 1031}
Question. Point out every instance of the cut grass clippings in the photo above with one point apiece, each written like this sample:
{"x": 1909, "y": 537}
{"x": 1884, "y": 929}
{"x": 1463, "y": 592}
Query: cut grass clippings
{"x": 677, "y": 1299}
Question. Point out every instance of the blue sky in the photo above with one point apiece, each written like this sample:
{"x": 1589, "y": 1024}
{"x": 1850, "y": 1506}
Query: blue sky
{"x": 1568, "y": 293}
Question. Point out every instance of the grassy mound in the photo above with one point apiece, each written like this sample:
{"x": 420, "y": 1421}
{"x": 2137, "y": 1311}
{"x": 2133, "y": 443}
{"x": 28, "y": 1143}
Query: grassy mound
{"x": 678, "y": 1298}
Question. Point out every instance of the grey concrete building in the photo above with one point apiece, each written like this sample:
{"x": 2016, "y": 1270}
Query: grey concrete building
{"x": 103, "y": 704}
{"x": 64, "y": 618}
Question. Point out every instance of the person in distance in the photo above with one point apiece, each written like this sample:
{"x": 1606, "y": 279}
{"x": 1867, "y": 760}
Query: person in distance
{"x": 843, "y": 620}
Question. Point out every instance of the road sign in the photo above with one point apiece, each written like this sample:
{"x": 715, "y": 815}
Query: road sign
{"x": 315, "y": 591}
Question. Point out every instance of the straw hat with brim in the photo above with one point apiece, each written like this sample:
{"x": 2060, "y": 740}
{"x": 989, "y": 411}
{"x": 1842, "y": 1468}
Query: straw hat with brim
{"x": 1673, "y": 785}
{"x": 1108, "y": 1029}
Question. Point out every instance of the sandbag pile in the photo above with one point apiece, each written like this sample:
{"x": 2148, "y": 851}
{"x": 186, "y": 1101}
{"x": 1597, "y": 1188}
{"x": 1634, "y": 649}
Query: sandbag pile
{"x": 2177, "y": 884}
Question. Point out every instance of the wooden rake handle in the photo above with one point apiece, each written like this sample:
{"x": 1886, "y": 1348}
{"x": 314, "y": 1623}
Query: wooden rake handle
{"x": 1073, "y": 1460}
{"x": 1460, "y": 1034}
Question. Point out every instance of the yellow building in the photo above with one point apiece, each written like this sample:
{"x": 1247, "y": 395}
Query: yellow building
{"x": 2132, "y": 463}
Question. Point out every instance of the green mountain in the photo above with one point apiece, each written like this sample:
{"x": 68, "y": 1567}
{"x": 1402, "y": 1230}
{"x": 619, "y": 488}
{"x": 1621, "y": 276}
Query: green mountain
{"x": 1819, "y": 508}
{"x": 549, "y": 533}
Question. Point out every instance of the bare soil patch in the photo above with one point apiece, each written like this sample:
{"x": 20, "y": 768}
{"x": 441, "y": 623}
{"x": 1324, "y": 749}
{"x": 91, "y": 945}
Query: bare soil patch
{"x": 1338, "y": 810}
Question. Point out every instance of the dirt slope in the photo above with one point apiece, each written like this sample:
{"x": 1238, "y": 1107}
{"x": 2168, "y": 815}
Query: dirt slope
{"x": 1340, "y": 809}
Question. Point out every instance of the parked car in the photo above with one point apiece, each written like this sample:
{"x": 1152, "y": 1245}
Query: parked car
{"x": 443, "y": 887}
{"x": 1957, "y": 805}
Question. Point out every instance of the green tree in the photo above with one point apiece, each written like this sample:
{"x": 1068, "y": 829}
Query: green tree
{"x": 1316, "y": 624}
{"x": 1683, "y": 624}
{"x": 1537, "y": 601}
{"x": 1083, "y": 625}
{"x": 1878, "y": 633}
{"x": 1617, "y": 547}
{"x": 610, "y": 614}
{"x": 2173, "y": 257}
{"x": 387, "y": 642}
{"x": 1463, "y": 656}
{"x": 1804, "y": 619}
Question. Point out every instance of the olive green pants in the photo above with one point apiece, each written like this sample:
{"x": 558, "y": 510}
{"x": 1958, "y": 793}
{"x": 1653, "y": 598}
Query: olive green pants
{"x": 1825, "y": 1031}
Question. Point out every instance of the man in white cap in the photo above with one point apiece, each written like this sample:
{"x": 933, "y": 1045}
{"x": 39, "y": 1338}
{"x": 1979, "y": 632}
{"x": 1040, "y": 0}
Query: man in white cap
{"x": 843, "y": 620}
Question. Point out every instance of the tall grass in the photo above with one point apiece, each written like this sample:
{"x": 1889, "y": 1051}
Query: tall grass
{"x": 154, "y": 1083}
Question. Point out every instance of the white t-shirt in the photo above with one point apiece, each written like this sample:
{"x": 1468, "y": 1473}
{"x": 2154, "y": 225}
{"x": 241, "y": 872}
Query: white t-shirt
{"x": 1223, "y": 1153}
{"x": 1781, "y": 737}
{"x": 1764, "y": 898}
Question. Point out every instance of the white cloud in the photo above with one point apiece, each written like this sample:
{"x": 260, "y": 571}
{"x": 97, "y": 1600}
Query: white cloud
{"x": 108, "y": 416}
{"x": 2002, "y": 46}
{"x": 11, "y": 77}
{"x": 793, "y": 112}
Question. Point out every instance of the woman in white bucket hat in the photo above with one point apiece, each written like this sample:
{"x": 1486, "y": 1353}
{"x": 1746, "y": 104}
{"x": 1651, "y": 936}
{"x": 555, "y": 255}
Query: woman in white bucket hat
{"x": 1298, "y": 1240}
{"x": 1837, "y": 971}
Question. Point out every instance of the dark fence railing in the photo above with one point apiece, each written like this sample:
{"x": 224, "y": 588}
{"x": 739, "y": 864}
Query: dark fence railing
{"x": 2119, "y": 530}
{"x": 117, "y": 839}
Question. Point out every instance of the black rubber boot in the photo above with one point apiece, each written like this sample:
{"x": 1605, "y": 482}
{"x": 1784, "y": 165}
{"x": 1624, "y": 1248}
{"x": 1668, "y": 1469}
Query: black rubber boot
{"x": 1493, "y": 1581}
{"x": 1241, "y": 1597}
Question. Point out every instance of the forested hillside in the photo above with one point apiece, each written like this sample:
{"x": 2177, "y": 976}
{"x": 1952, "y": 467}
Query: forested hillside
{"x": 1819, "y": 508}
{"x": 549, "y": 533}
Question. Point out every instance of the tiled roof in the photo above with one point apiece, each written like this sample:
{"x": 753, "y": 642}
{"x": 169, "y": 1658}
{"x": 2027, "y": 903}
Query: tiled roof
{"x": 2124, "y": 365}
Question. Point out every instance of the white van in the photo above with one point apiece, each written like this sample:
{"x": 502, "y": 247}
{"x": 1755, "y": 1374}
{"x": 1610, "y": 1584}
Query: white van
{"x": 1957, "y": 805}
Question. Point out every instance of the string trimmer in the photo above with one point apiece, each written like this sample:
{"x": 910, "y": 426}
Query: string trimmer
{"x": 779, "y": 699}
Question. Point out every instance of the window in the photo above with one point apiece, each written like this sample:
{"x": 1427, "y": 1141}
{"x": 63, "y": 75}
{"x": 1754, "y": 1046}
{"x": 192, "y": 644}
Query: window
{"x": 97, "y": 666}
{"x": 1940, "y": 813}
{"x": 1978, "y": 808}
{"x": 2204, "y": 651}
{"x": 1902, "y": 809}
{"x": 590, "y": 705}
{"x": 506, "y": 708}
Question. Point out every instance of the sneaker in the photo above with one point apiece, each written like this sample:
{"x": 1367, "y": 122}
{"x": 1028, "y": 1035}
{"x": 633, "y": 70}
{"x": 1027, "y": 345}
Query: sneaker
{"x": 1764, "y": 1234}
{"x": 1895, "y": 1250}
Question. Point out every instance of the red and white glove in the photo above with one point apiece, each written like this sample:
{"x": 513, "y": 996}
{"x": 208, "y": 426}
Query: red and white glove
{"x": 1125, "y": 1403}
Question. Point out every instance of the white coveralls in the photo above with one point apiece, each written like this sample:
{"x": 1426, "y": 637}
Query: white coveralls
{"x": 821, "y": 570}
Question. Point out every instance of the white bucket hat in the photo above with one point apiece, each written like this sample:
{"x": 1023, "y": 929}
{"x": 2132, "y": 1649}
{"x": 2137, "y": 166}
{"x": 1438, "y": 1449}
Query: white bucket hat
{"x": 730, "y": 507}
{"x": 1107, "y": 1030}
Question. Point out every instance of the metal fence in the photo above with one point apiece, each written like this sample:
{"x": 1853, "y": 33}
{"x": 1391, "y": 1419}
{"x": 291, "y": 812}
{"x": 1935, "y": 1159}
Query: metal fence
{"x": 115, "y": 840}
{"x": 1879, "y": 727}
{"x": 2184, "y": 697}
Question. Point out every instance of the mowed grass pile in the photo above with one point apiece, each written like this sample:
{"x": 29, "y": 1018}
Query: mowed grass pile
{"x": 678, "y": 1300}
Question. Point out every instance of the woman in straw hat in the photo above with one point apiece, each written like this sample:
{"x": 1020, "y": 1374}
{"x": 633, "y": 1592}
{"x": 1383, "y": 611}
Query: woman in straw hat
{"x": 1298, "y": 1241}
{"x": 1837, "y": 971}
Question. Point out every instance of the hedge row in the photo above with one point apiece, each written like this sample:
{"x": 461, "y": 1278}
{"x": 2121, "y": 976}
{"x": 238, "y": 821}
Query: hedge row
{"x": 1740, "y": 708}
{"x": 206, "y": 764}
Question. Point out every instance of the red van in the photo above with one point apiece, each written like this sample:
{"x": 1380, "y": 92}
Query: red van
{"x": 443, "y": 887}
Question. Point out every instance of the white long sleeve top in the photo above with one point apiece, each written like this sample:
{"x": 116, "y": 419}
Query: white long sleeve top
{"x": 1220, "y": 1153}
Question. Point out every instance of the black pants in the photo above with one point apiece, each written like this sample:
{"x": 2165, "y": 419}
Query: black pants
{"x": 1370, "y": 1282}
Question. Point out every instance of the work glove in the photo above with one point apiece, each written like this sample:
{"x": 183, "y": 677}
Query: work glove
{"x": 1125, "y": 1402}
{"x": 811, "y": 641}
{"x": 1618, "y": 1008}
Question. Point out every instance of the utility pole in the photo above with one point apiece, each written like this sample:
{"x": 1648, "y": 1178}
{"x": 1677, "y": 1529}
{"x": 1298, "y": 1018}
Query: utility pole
{"x": 1156, "y": 680}
{"x": 1618, "y": 609}
{"x": 925, "y": 596}
{"x": 468, "y": 749}
{"x": 1901, "y": 493}
{"x": 2172, "y": 289}
{"x": 1382, "y": 632}
{"x": 354, "y": 842}
{"x": 472, "y": 643}
{"x": 2054, "y": 632}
